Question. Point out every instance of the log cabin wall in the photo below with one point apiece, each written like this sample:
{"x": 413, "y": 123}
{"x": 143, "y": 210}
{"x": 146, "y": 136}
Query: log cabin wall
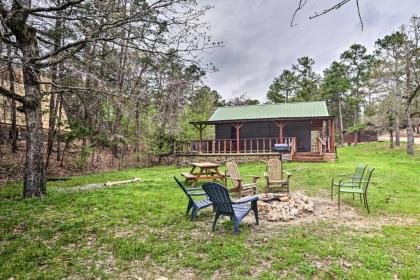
{"x": 268, "y": 129}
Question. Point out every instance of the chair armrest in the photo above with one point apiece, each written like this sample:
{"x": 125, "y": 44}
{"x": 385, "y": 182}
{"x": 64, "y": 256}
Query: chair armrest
{"x": 342, "y": 181}
{"x": 254, "y": 177}
{"x": 197, "y": 194}
{"x": 236, "y": 179}
{"x": 247, "y": 200}
{"x": 343, "y": 177}
{"x": 287, "y": 173}
{"x": 194, "y": 189}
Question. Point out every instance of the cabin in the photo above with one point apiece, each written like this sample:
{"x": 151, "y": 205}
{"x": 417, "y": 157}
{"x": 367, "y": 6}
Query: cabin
{"x": 306, "y": 127}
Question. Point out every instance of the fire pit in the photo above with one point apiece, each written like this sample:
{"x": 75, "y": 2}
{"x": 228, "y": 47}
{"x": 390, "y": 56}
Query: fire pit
{"x": 276, "y": 207}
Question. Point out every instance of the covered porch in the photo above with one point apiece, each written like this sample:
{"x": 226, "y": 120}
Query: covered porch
{"x": 308, "y": 138}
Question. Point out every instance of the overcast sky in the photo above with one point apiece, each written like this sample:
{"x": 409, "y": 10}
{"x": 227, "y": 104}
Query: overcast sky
{"x": 259, "y": 42}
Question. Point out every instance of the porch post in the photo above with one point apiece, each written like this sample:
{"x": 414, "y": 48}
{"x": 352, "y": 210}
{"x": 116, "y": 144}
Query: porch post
{"x": 238, "y": 138}
{"x": 238, "y": 126}
{"x": 281, "y": 133}
{"x": 332, "y": 140}
{"x": 200, "y": 127}
{"x": 323, "y": 129}
{"x": 280, "y": 125}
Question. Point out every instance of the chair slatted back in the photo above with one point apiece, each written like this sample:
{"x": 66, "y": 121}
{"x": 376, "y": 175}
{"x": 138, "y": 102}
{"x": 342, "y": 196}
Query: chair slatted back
{"x": 219, "y": 195}
{"x": 274, "y": 169}
{"x": 183, "y": 188}
{"x": 366, "y": 179}
{"x": 233, "y": 171}
{"x": 358, "y": 173}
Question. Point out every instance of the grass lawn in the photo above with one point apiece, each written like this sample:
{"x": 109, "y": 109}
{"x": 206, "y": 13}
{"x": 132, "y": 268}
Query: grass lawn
{"x": 140, "y": 231}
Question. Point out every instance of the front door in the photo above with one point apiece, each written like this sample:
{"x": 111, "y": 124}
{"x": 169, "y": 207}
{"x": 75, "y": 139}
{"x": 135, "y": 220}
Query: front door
{"x": 302, "y": 132}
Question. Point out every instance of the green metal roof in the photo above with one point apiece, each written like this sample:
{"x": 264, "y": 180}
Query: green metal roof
{"x": 271, "y": 111}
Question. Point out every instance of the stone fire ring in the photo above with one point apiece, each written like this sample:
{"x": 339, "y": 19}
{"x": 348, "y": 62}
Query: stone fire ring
{"x": 275, "y": 207}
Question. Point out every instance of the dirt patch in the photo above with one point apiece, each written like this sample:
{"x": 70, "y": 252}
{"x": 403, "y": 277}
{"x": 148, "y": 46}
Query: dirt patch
{"x": 325, "y": 210}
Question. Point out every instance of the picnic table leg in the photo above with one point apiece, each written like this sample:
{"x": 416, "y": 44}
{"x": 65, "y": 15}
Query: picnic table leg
{"x": 192, "y": 170}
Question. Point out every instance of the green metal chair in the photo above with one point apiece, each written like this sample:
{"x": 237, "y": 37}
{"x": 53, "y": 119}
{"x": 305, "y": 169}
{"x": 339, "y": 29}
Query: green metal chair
{"x": 362, "y": 190}
{"x": 349, "y": 180}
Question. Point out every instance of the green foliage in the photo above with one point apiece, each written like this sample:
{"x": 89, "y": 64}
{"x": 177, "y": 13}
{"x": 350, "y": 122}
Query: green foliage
{"x": 298, "y": 84}
{"x": 359, "y": 65}
{"x": 242, "y": 100}
{"x": 77, "y": 130}
{"x": 391, "y": 45}
{"x": 82, "y": 160}
{"x": 335, "y": 82}
{"x": 307, "y": 79}
{"x": 357, "y": 128}
{"x": 283, "y": 87}
{"x": 162, "y": 144}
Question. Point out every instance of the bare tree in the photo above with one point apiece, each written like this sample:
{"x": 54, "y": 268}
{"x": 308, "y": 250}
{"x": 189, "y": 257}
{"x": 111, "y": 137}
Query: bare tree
{"x": 160, "y": 25}
{"x": 336, "y": 6}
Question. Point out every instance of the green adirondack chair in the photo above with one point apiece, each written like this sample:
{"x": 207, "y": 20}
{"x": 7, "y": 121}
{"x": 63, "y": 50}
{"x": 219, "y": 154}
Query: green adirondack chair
{"x": 349, "y": 180}
{"x": 362, "y": 190}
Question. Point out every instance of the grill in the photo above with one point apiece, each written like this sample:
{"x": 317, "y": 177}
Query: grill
{"x": 281, "y": 148}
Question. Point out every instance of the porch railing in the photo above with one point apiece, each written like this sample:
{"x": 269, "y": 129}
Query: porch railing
{"x": 230, "y": 146}
{"x": 323, "y": 145}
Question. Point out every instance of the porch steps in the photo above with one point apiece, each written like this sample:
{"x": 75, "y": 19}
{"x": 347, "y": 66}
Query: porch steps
{"x": 308, "y": 157}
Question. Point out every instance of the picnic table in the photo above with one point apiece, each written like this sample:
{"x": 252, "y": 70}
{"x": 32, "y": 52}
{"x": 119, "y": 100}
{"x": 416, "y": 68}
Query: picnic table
{"x": 203, "y": 171}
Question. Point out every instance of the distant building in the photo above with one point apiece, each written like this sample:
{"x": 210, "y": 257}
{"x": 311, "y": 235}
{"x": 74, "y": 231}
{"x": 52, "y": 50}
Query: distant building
{"x": 6, "y": 103}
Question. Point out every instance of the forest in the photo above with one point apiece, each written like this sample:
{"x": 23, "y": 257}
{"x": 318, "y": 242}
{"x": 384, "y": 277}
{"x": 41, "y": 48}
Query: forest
{"x": 126, "y": 77}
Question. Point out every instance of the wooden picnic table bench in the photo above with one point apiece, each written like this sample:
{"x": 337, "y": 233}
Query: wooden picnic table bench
{"x": 189, "y": 176}
{"x": 207, "y": 171}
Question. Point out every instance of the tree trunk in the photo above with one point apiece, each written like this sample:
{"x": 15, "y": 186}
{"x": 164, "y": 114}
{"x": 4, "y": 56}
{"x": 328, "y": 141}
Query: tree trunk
{"x": 397, "y": 130}
{"x": 34, "y": 181}
{"x": 355, "y": 117}
{"x": 340, "y": 113}
{"x": 51, "y": 126}
{"x": 391, "y": 138}
{"x": 137, "y": 116}
{"x": 355, "y": 140}
{"x": 12, "y": 79}
{"x": 60, "y": 108}
{"x": 397, "y": 107}
{"x": 410, "y": 136}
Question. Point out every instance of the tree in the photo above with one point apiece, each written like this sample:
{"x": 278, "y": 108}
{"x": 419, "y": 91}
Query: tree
{"x": 390, "y": 50}
{"x": 306, "y": 79}
{"x": 283, "y": 87}
{"x": 359, "y": 64}
{"x": 106, "y": 26}
{"x": 334, "y": 85}
{"x": 412, "y": 75}
{"x": 242, "y": 100}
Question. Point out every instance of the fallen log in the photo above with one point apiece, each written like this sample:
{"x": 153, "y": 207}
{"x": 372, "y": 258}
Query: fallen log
{"x": 135, "y": 179}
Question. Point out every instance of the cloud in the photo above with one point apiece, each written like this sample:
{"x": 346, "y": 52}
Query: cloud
{"x": 259, "y": 42}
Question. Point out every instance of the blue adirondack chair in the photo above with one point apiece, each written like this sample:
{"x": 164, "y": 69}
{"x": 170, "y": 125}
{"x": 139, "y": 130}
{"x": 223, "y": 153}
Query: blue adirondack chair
{"x": 224, "y": 206}
{"x": 195, "y": 205}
